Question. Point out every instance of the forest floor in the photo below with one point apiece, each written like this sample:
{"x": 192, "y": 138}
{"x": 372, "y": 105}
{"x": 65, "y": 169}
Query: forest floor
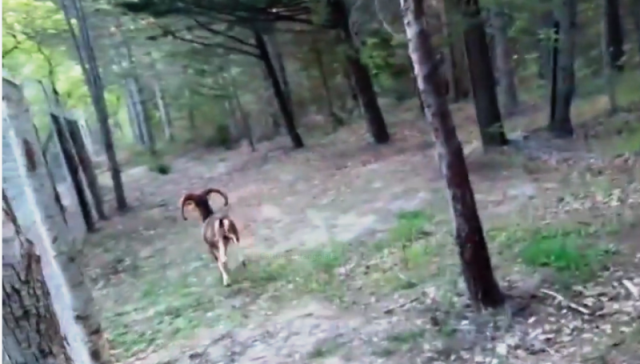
{"x": 351, "y": 258}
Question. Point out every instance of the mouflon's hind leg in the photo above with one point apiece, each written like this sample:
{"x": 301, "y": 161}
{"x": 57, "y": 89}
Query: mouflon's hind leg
{"x": 222, "y": 248}
{"x": 223, "y": 271}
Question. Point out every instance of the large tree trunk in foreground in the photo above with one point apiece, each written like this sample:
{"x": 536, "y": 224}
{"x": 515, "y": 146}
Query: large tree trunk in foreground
{"x": 57, "y": 243}
{"x": 31, "y": 332}
{"x": 566, "y": 14}
{"x": 614, "y": 33}
{"x": 285, "y": 109}
{"x": 361, "y": 77}
{"x": 474, "y": 255}
{"x": 91, "y": 71}
{"x": 483, "y": 83}
{"x": 506, "y": 74}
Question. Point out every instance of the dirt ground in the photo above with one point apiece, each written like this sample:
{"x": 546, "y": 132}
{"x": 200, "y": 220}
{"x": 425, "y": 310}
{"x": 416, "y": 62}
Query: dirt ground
{"x": 349, "y": 299}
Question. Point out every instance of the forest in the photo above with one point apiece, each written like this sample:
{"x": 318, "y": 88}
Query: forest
{"x": 413, "y": 181}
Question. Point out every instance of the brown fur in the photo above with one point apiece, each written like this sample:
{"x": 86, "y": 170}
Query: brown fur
{"x": 217, "y": 232}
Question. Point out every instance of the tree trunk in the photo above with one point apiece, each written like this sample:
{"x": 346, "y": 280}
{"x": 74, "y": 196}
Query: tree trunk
{"x": 246, "y": 124}
{"x": 635, "y": 16}
{"x": 68, "y": 153}
{"x": 136, "y": 132}
{"x": 353, "y": 92}
{"x": 336, "y": 120}
{"x": 561, "y": 125}
{"x": 506, "y": 74}
{"x": 31, "y": 332}
{"x": 361, "y": 77}
{"x": 56, "y": 242}
{"x": 473, "y": 252}
{"x": 276, "y": 55}
{"x": 91, "y": 71}
{"x": 614, "y": 33}
{"x": 483, "y": 83}
{"x": 545, "y": 45}
{"x": 87, "y": 166}
{"x": 142, "y": 116}
{"x": 459, "y": 88}
{"x": 164, "y": 113}
{"x": 287, "y": 113}
{"x": 607, "y": 69}
{"x": 191, "y": 117}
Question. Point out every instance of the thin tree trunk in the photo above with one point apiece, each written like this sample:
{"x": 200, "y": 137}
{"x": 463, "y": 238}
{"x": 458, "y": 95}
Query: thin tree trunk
{"x": 276, "y": 55}
{"x": 287, "y": 113}
{"x": 336, "y": 120}
{"x": 133, "y": 121}
{"x": 635, "y": 16}
{"x": 607, "y": 69}
{"x": 246, "y": 124}
{"x": 614, "y": 34}
{"x": 164, "y": 113}
{"x": 68, "y": 153}
{"x": 459, "y": 81}
{"x": 91, "y": 71}
{"x": 87, "y": 167}
{"x": 506, "y": 74}
{"x": 361, "y": 77}
{"x": 566, "y": 13}
{"x": 31, "y": 332}
{"x": 191, "y": 117}
{"x": 483, "y": 83}
{"x": 473, "y": 252}
{"x": 545, "y": 46}
{"x": 353, "y": 92}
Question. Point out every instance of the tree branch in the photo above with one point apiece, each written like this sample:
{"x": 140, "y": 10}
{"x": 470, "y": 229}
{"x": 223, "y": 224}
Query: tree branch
{"x": 223, "y": 34}
{"x": 170, "y": 33}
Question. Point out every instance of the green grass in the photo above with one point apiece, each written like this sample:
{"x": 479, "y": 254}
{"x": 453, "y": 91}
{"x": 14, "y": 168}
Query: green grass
{"x": 570, "y": 251}
{"x": 400, "y": 341}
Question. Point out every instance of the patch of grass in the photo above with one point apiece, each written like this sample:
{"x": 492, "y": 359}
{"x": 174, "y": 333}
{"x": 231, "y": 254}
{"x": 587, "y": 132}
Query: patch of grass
{"x": 410, "y": 226}
{"x": 400, "y": 341}
{"x": 166, "y": 308}
{"x": 570, "y": 251}
{"x": 314, "y": 271}
{"x": 326, "y": 349}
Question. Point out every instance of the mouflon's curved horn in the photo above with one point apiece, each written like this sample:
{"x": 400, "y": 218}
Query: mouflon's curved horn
{"x": 189, "y": 197}
{"x": 209, "y": 191}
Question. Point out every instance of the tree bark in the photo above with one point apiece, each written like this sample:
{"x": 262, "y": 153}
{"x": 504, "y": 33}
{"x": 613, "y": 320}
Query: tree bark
{"x": 86, "y": 164}
{"x": 459, "y": 87}
{"x": 57, "y": 242}
{"x": 361, "y": 76}
{"x": 68, "y": 153}
{"x": 31, "y": 332}
{"x": 164, "y": 113}
{"x": 608, "y": 70}
{"x": 336, "y": 120}
{"x": 566, "y": 14}
{"x": 635, "y": 16}
{"x": 614, "y": 34}
{"x": 474, "y": 255}
{"x": 353, "y": 92}
{"x": 545, "y": 46}
{"x": 276, "y": 55}
{"x": 91, "y": 71}
{"x": 246, "y": 124}
{"x": 483, "y": 83}
{"x": 506, "y": 74}
{"x": 287, "y": 113}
